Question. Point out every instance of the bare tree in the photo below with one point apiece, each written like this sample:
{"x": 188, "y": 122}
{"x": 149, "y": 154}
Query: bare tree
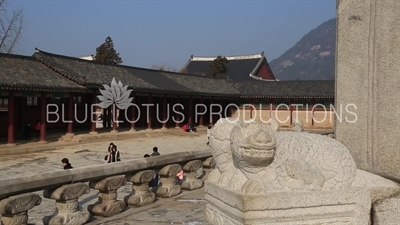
{"x": 164, "y": 67}
{"x": 10, "y": 28}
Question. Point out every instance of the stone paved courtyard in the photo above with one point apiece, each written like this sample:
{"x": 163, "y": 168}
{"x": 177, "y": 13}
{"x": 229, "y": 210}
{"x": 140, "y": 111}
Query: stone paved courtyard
{"x": 186, "y": 208}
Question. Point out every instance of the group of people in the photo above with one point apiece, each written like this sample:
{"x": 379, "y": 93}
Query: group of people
{"x": 189, "y": 128}
{"x": 26, "y": 130}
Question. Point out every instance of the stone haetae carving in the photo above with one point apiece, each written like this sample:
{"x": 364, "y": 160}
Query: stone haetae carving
{"x": 169, "y": 186}
{"x": 300, "y": 173}
{"x": 67, "y": 205}
{"x": 191, "y": 181}
{"x": 221, "y": 150}
{"x": 297, "y": 125}
{"x": 141, "y": 195}
{"x": 273, "y": 124}
{"x": 107, "y": 204}
{"x": 14, "y": 209}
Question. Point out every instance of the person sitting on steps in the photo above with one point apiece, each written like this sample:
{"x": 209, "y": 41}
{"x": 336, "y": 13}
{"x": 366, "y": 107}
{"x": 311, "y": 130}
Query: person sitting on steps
{"x": 155, "y": 152}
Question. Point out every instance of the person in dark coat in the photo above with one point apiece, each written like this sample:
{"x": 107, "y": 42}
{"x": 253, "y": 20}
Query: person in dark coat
{"x": 113, "y": 155}
{"x": 27, "y": 131}
{"x": 155, "y": 152}
{"x": 66, "y": 164}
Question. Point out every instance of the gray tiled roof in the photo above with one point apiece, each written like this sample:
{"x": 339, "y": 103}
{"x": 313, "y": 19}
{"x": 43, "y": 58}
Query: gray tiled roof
{"x": 287, "y": 89}
{"x": 24, "y": 73}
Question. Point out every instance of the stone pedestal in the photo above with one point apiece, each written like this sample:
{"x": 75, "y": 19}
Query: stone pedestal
{"x": 107, "y": 204}
{"x": 340, "y": 207}
{"x": 191, "y": 181}
{"x": 367, "y": 83}
{"x": 141, "y": 195}
{"x": 387, "y": 211}
{"x": 169, "y": 187}
{"x": 67, "y": 205}
{"x": 14, "y": 209}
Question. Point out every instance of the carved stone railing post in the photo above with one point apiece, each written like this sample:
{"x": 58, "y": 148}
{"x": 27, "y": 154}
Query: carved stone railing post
{"x": 141, "y": 195}
{"x": 190, "y": 169}
{"x": 14, "y": 209}
{"x": 107, "y": 205}
{"x": 168, "y": 186}
{"x": 67, "y": 205}
{"x": 208, "y": 166}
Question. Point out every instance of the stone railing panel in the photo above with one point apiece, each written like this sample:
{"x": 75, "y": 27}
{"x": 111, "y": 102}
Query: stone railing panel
{"x": 191, "y": 181}
{"x": 168, "y": 185}
{"x": 67, "y": 204}
{"x": 107, "y": 204}
{"x": 141, "y": 195}
{"x": 14, "y": 210}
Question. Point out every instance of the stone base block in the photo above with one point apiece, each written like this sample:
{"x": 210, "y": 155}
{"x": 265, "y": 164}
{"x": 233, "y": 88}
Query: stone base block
{"x": 75, "y": 218}
{"x": 16, "y": 219}
{"x": 387, "y": 211}
{"x": 140, "y": 200}
{"x": 168, "y": 191}
{"x": 192, "y": 184}
{"x": 340, "y": 207}
{"x": 107, "y": 209}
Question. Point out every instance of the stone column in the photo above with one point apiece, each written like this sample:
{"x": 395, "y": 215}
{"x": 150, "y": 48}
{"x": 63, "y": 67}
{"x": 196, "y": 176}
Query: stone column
{"x": 368, "y": 83}
{"x": 191, "y": 181}
{"x": 107, "y": 204}
{"x": 14, "y": 209}
{"x": 43, "y": 119}
{"x": 169, "y": 187}
{"x": 208, "y": 166}
{"x": 67, "y": 205}
{"x": 141, "y": 195}
{"x": 11, "y": 127}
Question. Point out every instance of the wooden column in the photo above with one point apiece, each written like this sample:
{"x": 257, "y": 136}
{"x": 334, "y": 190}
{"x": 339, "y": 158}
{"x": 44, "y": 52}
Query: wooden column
{"x": 190, "y": 120}
{"x": 149, "y": 119}
{"x": 133, "y": 114}
{"x": 43, "y": 119}
{"x": 164, "y": 114}
{"x": 312, "y": 111}
{"x": 223, "y": 110}
{"x": 251, "y": 108}
{"x": 211, "y": 116}
{"x": 291, "y": 111}
{"x": 201, "y": 119}
{"x": 70, "y": 114}
{"x": 94, "y": 115}
{"x": 177, "y": 117}
{"x": 10, "y": 136}
{"x": 109, "y": 117}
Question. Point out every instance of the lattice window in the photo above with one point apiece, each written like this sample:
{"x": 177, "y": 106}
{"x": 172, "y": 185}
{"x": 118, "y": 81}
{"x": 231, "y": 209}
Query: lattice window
{"x": 3, "y": 104}
{"x": 31, "y": 101}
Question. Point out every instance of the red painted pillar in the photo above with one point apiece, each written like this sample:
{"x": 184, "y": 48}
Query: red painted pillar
{"x": 190, "y": 120}
{"x": 94, "y": 115}
{"x": 251, "y": 108}
{"x": 133, "y": 115}
{"x": 177, "y": 117}
{"x": 150, "y": 113}
{"x": 211, "y": 116}
{"x": 291, "y": 111}
{"x": 70, "y": 113}
{"x": 43, "y": 118}
{"x": 312, "y": 111}
{"x": 164, "y": 108}
{"x": 201, "y": 120}
{"x": 11, "y": 112}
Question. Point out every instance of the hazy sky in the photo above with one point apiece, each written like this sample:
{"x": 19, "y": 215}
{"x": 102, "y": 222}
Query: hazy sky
{"x": 156, "y": 32}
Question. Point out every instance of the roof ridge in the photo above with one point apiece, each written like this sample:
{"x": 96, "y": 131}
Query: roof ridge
{"x": 235, "y": 57}
{"x": 8, "y": 55}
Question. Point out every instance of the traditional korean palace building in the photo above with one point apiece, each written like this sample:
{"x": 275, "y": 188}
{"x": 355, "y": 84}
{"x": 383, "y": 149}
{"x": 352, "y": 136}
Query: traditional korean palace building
{"x": 28, "y": 84}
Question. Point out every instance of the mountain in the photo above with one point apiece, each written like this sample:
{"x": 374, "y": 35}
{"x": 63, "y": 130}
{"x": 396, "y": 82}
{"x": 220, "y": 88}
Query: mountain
{"x": 312, "y": 58}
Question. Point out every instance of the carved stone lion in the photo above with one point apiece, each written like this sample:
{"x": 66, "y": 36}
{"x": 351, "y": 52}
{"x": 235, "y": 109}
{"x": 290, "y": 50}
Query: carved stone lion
{"x": 267, "y": 160}
{"x": 297, "y": 125}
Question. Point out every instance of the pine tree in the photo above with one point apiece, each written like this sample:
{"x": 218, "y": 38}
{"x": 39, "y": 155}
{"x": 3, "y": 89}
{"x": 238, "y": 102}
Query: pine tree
{"x": 219, "y": 67}
{"x": 106, "y": 53}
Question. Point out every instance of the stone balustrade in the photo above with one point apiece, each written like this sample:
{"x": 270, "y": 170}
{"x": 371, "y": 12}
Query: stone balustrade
{"x": 65, "y": 187}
